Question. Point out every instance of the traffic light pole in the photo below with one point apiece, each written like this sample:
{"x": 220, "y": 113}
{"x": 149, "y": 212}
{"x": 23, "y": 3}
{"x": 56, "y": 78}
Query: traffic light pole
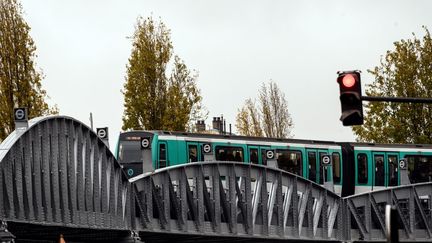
{"x": 352, "y": 99}
{"x": 397, "y": 99}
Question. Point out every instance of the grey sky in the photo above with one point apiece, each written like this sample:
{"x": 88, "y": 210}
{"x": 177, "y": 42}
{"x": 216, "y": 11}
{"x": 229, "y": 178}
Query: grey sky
{"x": 235, "y": 45}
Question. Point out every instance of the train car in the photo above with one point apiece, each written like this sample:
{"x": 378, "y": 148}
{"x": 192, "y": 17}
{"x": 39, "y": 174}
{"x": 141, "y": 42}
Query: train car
{"x": 356, "y": 167}
{"x": 378, "y": 166}
{"x": 162, "y": 149}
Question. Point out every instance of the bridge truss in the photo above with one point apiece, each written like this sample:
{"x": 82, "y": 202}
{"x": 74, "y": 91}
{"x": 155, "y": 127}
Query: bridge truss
{"x": 227, "y": 199}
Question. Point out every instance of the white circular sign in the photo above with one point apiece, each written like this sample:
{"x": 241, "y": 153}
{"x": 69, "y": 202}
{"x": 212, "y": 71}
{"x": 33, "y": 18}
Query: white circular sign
{"x": 326, "y": 159}
{"x": 206, "y": 148}
{"x": 270, "y": 154}
{"x": 101, "y": 133}
{"x": 19, "y": 114}
{"x": 145, "y": 143}
{"x": 402, "y": 164}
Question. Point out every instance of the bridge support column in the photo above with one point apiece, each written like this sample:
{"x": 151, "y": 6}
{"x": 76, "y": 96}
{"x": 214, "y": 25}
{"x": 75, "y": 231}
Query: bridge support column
{"x": 5, "y": 235}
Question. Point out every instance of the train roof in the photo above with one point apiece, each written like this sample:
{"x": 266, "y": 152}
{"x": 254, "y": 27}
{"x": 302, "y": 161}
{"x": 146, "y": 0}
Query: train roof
{"x": 283, "y": 140}
{"x": 233, "y": 137}
{"x": 395, "y": 145}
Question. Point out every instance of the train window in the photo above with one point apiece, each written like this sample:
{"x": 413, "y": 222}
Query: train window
{"x": 289, "y": 160}
{"x": 162, "y": 155}
{"x": 193, "y": 153}
{"x": 419, "y": 168}
{"x": 336, "y": 168}
{"x": 312, "y": 166}
{"x": 362, "y": 169}
{"x": 129, "y": 152}
{"x": 225, "y": 153}
{"x": 393, "y": 170}
{"x": 253, "y": 153}
{"x": 379, "y": 170}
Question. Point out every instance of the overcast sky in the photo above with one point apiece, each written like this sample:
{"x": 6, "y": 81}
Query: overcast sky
{"x": 83, "y": 49}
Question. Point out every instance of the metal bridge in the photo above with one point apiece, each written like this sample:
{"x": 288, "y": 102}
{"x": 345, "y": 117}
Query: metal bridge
{"x": 58, "y": 177}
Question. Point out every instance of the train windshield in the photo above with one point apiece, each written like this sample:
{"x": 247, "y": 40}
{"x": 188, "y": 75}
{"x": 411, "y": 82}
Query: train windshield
{"x": 130, "y": 151}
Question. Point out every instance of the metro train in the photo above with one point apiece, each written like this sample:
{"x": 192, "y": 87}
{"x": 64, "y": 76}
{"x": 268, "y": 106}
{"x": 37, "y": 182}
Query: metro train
{"x": 355, "y": 167}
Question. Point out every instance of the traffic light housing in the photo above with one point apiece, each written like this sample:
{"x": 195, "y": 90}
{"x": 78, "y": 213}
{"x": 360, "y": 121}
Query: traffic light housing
{"x": 351, "y": 98}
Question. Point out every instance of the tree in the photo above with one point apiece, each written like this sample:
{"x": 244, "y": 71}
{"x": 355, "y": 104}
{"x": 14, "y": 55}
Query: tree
{"x": 269, "y": 118}
{"x": 152, "y": 100}
{"x": 145, "y": 87}
{"x": 248, "y": 121}
{"x": 183, "y": 106}
{"x": 403, "y": 72}
{"x": 20, "y": 82}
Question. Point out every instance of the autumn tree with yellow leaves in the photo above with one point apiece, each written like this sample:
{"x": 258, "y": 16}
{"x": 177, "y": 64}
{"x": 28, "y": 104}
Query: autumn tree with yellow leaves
{"x": 20, "y": 81}
{"x": 153, "y": 99}
{"x": 268, "y": 117}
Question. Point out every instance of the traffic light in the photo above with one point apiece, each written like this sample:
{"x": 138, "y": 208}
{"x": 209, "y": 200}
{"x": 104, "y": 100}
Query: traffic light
{"x": 351, "y": 98}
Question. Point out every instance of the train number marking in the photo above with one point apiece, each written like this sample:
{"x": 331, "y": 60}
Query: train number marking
{"x": 207, "y": 148}
{"x": 325, "y": 159}
{"x": 270, "y": 154}
{"x": 402, "y": 164}
{"x": 145, "y": 142}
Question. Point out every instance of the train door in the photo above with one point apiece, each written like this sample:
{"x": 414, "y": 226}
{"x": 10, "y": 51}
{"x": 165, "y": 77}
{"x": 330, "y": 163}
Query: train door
{"x": 263, "y": 152}
{"x": 257, "y": 154}
{"x": 254, "y": 157}
{"x": 162, "y": 160}
{"x": 393, "y": 170}
{"x": 193, "y": 152}
{"x": 378, "y": 174}
{"x": 315, "y": 168}
{"x": 385, "y": 171}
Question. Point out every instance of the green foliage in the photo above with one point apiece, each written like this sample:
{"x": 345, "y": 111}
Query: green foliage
{"x": 270, "y": 117}
{"x": 20, "y": 82}
{"x": 405, "y": 71}
{"x": 152, "y": 100}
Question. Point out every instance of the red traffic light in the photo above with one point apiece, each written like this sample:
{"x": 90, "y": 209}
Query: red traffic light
{"x": 348, "y": 80}
{"x": 350, "y": 97}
